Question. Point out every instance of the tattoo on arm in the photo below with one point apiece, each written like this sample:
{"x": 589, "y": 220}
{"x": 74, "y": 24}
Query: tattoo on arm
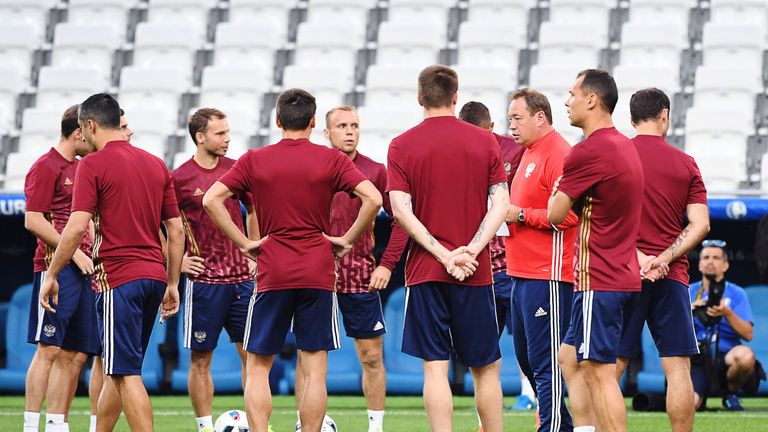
{"x": 430, "y": 239}
{"x": 494, "y": 187}
{"x": 479, "y": 232}
{"x": 672, "y": 250}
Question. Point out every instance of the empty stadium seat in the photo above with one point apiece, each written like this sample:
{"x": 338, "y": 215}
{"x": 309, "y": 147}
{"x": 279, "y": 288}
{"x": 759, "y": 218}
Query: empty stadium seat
{"x": 151, "y": 127}
{"x": 19, "y": 353}
{"x": 165, "y": 46}
{"x": 650, "y": 44}
{"x": 10, "y": 84}
{"x": 594, "y": 12}
{"x": 335, "y": 45}
{"x": 17, "y": 166}
{"x": 327, "y": 84}
{"x": 622, "y": 120}
{"x": 651, "y": 378}
{"x": 662, "y": 11}
{"x": 576, "y": 45}
{"x": 733, "y": 45}
{"x": 17, "y": 44}
{"x": 40, "y": 130}
{"x": 114, "y": 12}
{"x": 510, "y": 373}
{"x": 489, "y": 44}
{"x": 33, "y": 13}
{"x": 193, "y": 14}
{"x": 60, "y": 87}
{"x": 245, "y": 45}
{"x": 261, "y": 11}
{"x": 408, "y": 43}
{"x": 424, "y": 11}
{"x": 740, "y": 12}
{"x": 630, "y": 79}
{"x": 491, "y": 86}
{"x": 142, "y": 87}
{"x": 236, "y": 88}
{"x": 349, "y": 10}
{"x": 512, "y": 13}
{"x": 758, "y": 301}
{"x": 392, "y": 85}
{"x": 727, "y": 87}
{"x": 75, "y": 45}
{"x": 379, "y": 125}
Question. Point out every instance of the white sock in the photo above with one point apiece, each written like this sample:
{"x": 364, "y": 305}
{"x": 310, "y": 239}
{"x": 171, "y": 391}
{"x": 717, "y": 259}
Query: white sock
{"x": 375, "y": 421}
{"x": 31, "y": 421}
{"x": 298, "y": 417}
{"x": 584, "y": 429}
{"x": 54, "y": 423}
{"x": 92, "y": 426}
{"x": 203, "y": 423}
{"x": 66, "y": 427}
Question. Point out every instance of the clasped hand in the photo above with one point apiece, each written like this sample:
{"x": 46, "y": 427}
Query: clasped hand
{"x": 461, "y": 263}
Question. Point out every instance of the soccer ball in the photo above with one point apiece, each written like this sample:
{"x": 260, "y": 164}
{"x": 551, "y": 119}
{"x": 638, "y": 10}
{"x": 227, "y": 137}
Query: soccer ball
{"x": 328, "y": 425}
{"x": 231, "y": 421}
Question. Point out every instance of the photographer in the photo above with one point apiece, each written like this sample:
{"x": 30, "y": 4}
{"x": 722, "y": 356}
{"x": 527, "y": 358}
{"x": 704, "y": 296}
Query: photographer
{"x": 721, "y": 326}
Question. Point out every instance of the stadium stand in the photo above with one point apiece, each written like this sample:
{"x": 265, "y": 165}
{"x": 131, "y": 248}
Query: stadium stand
{"x": 18, "y": 352}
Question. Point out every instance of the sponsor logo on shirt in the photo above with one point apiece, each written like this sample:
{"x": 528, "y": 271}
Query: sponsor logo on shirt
{"x": 540, "y": 312}
{"x": 49, "y": 330}
{"x": 198, "y": 192}
{"x": 529, "y": 169}
{"x": 67, "y": 181}
{"x": 200, "y": 336}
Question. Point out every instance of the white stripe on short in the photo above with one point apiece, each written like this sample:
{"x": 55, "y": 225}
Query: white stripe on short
{"x": 335, "y": 322}
{"x": 586, "y": 306}
{"x": 247, "y": 334}
{"x": 188, "y": 295}
{"x": 40, "y": 310}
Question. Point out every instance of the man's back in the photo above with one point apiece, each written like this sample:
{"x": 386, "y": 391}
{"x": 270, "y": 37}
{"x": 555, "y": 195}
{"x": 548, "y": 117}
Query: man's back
{"x": 446, "y": 165}
{"x": 129, "y": 192}
{"x": 603, "y": 173}
{"x": 672, "y": 181}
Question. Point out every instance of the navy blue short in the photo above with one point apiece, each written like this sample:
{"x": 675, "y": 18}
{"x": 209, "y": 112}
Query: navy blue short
{"x": 73, "y": 326}
{"x": 208, "y": 308}
{"x": 312, "y": 314}
{"x": 597, "y": 320}
{"x": 440, "y": 318}
{"x": 502, "y": 290}
{"x": 362, "y": 314}
{"x": 126, "y": 315}
{"x": 666, "y": 306}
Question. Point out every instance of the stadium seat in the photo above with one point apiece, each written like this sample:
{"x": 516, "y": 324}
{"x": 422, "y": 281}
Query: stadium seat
{"x": 226, "y": 367}
{"x": 595, "y": 12}
{"x": 576, "y": 45}
{"x": 662, "y": 11}
{"x": 510, "y": 373}
{"x": 74, "y": 45}
{"x": 165, "y": 46}
{"x": 392, "y": 85}
{"x": 327, "y": 84}
{"x": 651, "y": 378}
{"x": 244, "y": 45}
{"x": 488, "y": 85}
{"x": 349, "y": 10}
{"x": 193, "y": 14}
{"x": 489, "y": 44}
{"x": 19, "y": 353}
{"x": 151, "y": 127}
{"x": 734, "y": 45}
{"x": 423, "y": 11}
{"x": 40, "y": 130}
{"x": 408, "y": 43}
{"x": 243, "y": 88}
{"x": 758, "y": 301}
{"x": 740, "y": 12}
{"x": 33, "y": 13}
{"x": 16, "y": 168}
{"x": 630, "y": 79}
{"x": 10, "y": 84}
{"x": 335, "y": 45}
{"x": 142, "y": 87}
{"x": 114, "y": 12}
{"x": 727, "y": 87}
{"x": 622, "y": 120}
{"x": 379, "y": 125}
{"x": 17, "y": 43}
{"x": 262, "y": 11}
{"x": 405, "y": 374}
{"x": 512, "y": 13}
{"x": 647, "y": 45}
{"x": 60, "y": 87}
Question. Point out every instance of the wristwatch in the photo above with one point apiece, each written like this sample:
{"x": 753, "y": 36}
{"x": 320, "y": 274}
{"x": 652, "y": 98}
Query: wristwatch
{"x": 521, "y": 217}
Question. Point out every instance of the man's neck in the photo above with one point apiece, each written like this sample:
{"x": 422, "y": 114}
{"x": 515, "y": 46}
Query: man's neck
{"x": 649, "y": 128}
{"x": 66, "y": 149}
{"x": 440, "y": 112}
{"x": 542, "y": 133}
{"x": 116, "y": 135}
{"x": 205, "y": 159}
{"x": 598, "y": 121}
{"x": 352, "y": 154}
{"x": 297, "y": 134}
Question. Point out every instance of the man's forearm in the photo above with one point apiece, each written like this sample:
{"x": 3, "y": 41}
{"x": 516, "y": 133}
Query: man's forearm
{"x": 42, "y": 229}
{"x": 742, "y": 327}
{"x": 365, "y": 217}
{"x": 499, "y": 194}
{"x": 175, "y": 249}
{"x": 220, "y": 216}
{"x": 69, "y": 241}
{"x": 401, "y": 207}
{"x": 689, "y": 238}
{"x": 252, "y": 225}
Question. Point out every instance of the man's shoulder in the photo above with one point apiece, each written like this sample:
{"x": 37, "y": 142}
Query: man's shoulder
{"x": 734, "y": 290}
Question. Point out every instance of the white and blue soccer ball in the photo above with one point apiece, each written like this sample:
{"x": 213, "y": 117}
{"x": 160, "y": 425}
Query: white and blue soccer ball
{"x": 231, "y": 421}
{"x": 328, "y": 425}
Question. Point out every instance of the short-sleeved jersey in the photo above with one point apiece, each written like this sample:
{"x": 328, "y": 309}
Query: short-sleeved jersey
{"x": 355, "y": 268}
{"x": 447, "y": 166}
{"x": 48, "y": 190}
{"x": 604, "y": 176}
{"x": 736, "y": 298}
{"x": 292, "y": 184}
{"x": 511, "y": 152}
{"x": 534, "y": 249}
{"x": 129, "y": 192}
{"x": 672, "y": 181}
{"x": 224, "y": 263}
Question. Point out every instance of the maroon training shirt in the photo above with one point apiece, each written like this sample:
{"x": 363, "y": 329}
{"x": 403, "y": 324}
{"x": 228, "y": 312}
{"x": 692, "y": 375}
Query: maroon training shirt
{"x": 48, "y": 188}
{"x": 672, "y": 181}
{"x": 511, "y": 153}
{"x": 292, "y": 184}
{"x": 356, "y": 268}
{"x": 604, "y": 175}
{"x": 446, "y": 165}
{"x": 224, "y": 263}
{"x": 129, "y": 192}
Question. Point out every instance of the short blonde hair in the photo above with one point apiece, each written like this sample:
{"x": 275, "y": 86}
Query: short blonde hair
{"x": 346, "y": 108}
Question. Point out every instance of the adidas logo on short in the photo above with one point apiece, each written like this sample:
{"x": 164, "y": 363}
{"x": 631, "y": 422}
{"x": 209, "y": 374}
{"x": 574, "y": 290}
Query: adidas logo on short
{"x": 540, "y": 312}
{"x": 378, "y": 326}
{"x": 581, "y": 348}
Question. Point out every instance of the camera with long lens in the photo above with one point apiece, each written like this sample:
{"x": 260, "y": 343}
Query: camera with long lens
{"x": 716, "y": 290}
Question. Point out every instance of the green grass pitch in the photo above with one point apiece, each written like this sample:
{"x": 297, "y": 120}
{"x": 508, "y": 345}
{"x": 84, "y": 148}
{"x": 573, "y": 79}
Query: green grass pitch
{"x": 174, "y": 413}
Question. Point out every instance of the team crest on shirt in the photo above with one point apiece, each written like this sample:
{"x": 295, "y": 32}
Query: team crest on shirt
{"x": 529, "y": 169}
{"x": 508, "y": 168}
{"x": 49, "y": 330}
{"x": 200, "y": 336}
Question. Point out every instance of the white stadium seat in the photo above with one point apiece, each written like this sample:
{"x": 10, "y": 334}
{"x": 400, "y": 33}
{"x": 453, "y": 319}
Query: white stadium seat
{"x": 151, "y": 127}
{"x": 85, "y": 45}
{"x": 40, "y": 129}
{"x": 728, "y": 87}
{"x": 244, "y": 45}
{"x": 489, "y": 44}
{"x": 33, "y": 13}
{"x": 424, "y": 11}
{"x": 490, "y": 86}
{"x": 113, "y": 12}
{"x": 594, "y": 12}
{"x": 10, "y": 84}
{"x": 191, "y": 13}
{"x": 630, "y": 79}
{"x": 622, "y": 120}
{"x": 576, "y": 45}
{"x": 751, "y": 12}
{"x": 392, "y": 86}
{"x": 165, "y": 46}
{"x": 379, "y": 125}
{"x": 512, "y": 13}
{"x": 733, "y": 45}
{"x": 60, "y": 87}
{"x": 348, "y": 10}
{"x": 238, "y": 88}
{"x": 662, "y": 11}
{"x": 261, "y": 11}
{"x": 408, "y": 43}
{"x": 17, "y": 167}
{"x": 142, "y": 87}
{"x": 651, "y": 45}
{"x": 17, "y": 43}
{"x": 321, "y": 44}
{"x": 327, "y": 84}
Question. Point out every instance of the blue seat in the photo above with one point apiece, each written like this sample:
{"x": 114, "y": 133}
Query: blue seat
{"x": 510, "y": 373}
{"x": 651, "y": 378}
{"x": 344, "y": 371}
{"x": 758, "y": 301}
{"x": 19, "y": 352}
